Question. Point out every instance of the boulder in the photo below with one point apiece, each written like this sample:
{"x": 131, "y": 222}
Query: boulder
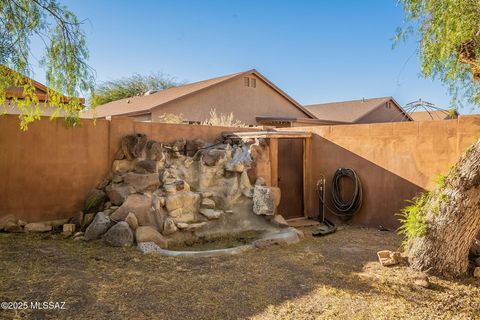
{"x": 260, "y": 182}
{"x": 146, "y": 166}
{"x": 37, "y": 227}
{"x": 276, "y": 195}
{"x": 107, "y": 205}
{"x": 211, "y": 214}
{"x": 94, "y": 201}
{"x": 186, "y": 200}
{"x": 12, "y": 227}
{"x": 155, "y": 151}
{"x": 263, "y": 201}
{"x": 133, "y": 145}
{"x": 212, "y": 156}
{"x": 22, "y": 223}
{"x": 179, "y": 146}
{"x": 148, "y": 247}
{"x": 182, "y": 215}
{"x": 158, "y": 201}
{"x": 120, "y": 235}
{"x": 183, "y": 206}
{"x": 169, "y": 227}
{"x": 190, "y": 226}
{"x": 208, "y": 203}
{"x": 77, "y": 219}
{"x": 99, "y": 226}
{"x": 117, "y": 178}
{"x": 132, "y": 221}
{"x": 122, "y": 166}
{"x": 142, "y": 182}
{"x": 149, "y": 234}
{"x": 136, "y": 203}
{"x": 193, "y": 146}
{"x": 87, "y": 219}
{"x": 118, "y": 193}
{"x": 241, "y": 160}
{"x": 148, "y": 218}
{"x": 245, "y": 185}
{"x": 7, "y": 220}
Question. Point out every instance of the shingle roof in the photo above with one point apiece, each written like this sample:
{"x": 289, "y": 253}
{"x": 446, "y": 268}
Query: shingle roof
{"x": 349, "y": 111}
{"x": 143, "y": 104}
{"x": 432, "y": 115}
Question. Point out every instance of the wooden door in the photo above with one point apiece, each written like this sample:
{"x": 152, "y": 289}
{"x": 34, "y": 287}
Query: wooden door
{"x": 290, "y": 177}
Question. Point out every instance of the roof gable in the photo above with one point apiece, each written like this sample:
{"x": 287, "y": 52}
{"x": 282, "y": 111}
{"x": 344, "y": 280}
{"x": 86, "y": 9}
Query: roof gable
{"x": 144, "y": 104}
{"x": 353, "y": 110}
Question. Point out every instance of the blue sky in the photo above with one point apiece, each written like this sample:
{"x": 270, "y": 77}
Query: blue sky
{"x": 316, "y": 51}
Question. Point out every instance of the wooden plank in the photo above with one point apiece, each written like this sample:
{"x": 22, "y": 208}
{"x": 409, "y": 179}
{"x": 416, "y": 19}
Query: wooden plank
{"x": 274, "y": 162}
{"x": 307, "y": 180}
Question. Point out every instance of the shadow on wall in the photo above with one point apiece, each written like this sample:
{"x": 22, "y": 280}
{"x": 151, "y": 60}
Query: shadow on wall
{"x": 384, "y": 193}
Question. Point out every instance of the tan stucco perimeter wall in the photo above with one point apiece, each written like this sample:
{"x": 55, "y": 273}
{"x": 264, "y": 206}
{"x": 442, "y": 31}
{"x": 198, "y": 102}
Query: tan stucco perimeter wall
{"x": 395, "y": 161}
{"x": 232, "y": 96}
{"x": 47, "y": 171}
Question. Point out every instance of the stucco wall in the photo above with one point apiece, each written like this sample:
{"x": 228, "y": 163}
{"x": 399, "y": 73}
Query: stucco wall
{"x": 232, "y": 96}
{"x": 395, "y": 161}
{"x": 47, "y": 171}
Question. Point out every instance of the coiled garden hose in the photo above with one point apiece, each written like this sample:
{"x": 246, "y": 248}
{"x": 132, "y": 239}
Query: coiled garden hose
{"x": 349, "y": 207}
{"x": 342, "y": 209}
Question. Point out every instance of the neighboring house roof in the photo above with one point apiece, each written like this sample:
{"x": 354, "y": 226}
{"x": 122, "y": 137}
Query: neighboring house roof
{"x": 430, "y": 115}
{"x": 144, "y": 104}
{"x": 351, "y": 111}
{"x": 41, "y": 91}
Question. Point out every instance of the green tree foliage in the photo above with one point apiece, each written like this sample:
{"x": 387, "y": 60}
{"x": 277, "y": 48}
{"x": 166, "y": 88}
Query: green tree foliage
{"x": 449, "y": 42}
{"x": 64, "y": 57}
{"x": 135, "y": 85}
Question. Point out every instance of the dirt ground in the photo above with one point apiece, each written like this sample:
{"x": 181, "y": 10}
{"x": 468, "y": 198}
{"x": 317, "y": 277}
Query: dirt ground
{"x": 320, "y": 278}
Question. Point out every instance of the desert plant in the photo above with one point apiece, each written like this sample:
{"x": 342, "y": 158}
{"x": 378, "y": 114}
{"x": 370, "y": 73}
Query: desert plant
{"x": 171, "y": 118}
{"x": 223, "y": 120}
{"x": 413, "y": 219}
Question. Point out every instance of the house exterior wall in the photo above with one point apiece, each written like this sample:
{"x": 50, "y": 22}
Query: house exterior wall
{"x": 246, "y": 103}
{"x": 383, "y": 114}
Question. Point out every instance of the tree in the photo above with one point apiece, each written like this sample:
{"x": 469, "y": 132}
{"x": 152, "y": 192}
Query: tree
{"x": 134, "y": 85}
{"x": 449, "y": 42}
{"x": 64, "y": 58}
{"x": 441, "y": 226}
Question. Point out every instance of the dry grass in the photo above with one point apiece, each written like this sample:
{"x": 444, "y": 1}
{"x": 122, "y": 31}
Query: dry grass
{"x": 319, "y": 278}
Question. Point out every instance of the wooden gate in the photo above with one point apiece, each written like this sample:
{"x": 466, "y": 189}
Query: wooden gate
{"x": 290, "y": 177}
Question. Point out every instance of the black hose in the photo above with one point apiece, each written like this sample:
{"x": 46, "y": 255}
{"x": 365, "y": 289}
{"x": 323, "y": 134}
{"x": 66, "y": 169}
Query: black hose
{"x": 350, "y": 207}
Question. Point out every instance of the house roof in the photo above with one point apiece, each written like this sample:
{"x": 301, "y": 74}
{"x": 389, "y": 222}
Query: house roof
{"x": 41, "y": 90}
{"x": 351, "y": 111}
{"x": 145, "y": 103}
{"x": 430, "y": 115}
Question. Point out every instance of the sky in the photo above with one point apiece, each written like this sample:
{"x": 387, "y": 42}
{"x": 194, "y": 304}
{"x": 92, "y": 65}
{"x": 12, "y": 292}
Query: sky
{"x": 316, "y": 51}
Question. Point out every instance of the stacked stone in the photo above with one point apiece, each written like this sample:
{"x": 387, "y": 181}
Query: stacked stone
{"x": 157, "y": 191}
